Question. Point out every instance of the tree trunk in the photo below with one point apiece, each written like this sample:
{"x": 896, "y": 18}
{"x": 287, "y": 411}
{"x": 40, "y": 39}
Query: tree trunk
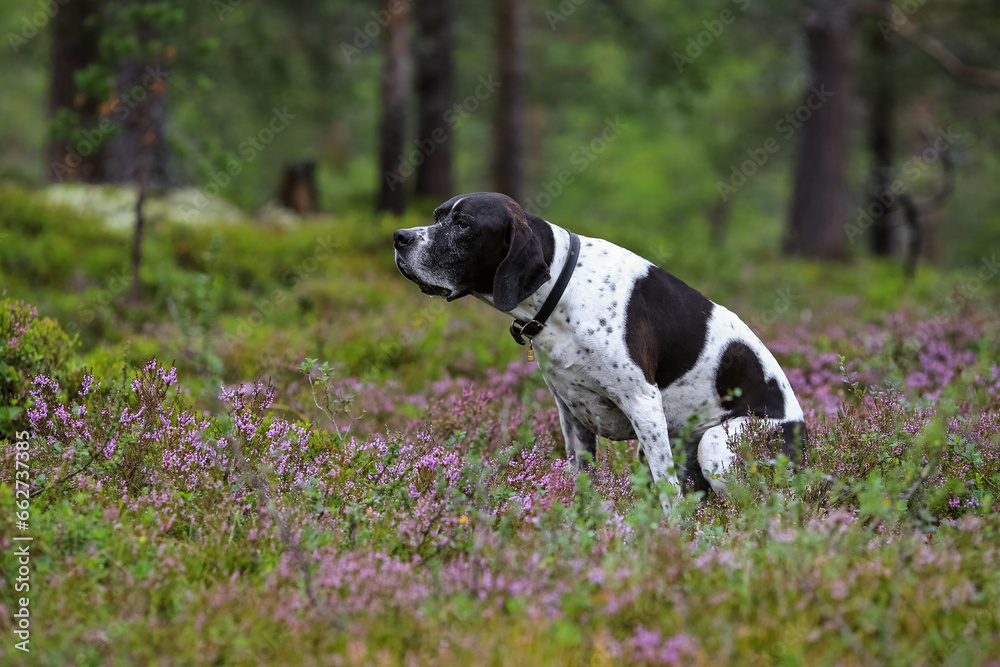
{"x": 508, "y": 126}
{"x": 76, "y": 33}
{"x": 137, "y": 236}
{"x": 138, "y": 152}
{"x": 298, "y": 191}
{"x": 436, "y": 90}
{"x": 819, "y": 200}
{"x": 881, "y": 96}
{"x": 392, "y": 128}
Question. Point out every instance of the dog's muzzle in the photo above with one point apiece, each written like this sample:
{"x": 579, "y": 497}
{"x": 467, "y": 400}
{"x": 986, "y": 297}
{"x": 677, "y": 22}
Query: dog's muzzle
{"x": 403, "y": 237}
{"x": 404, "y": 240}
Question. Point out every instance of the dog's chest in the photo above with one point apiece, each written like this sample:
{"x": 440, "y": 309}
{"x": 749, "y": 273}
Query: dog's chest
{"x": 587, "y": 398}
{"x": 584, "y": 371}
{"x": 582, "y": 352}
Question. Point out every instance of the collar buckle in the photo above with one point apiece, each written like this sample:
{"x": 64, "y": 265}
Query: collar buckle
{"x": 519, "y": 330}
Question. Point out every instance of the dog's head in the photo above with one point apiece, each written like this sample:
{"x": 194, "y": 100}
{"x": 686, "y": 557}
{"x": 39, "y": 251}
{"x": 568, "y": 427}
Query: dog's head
{"x": 480, "y": 243}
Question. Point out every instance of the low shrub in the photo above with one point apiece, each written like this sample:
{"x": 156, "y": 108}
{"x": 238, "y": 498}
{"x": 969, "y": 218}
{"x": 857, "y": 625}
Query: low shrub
{"x": 30, "y": 345}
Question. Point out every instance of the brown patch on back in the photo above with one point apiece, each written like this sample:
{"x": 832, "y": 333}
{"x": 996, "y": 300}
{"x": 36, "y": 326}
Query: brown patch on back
{"x": 666, "y": 323}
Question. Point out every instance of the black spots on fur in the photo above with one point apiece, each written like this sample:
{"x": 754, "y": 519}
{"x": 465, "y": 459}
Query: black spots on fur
{"x": 610, "y": 330}
{"x": 666, "y": 324}
{"x": 615, "y": 365}
{"x": 603, "y": 321}
{"x": 742, "y": 388}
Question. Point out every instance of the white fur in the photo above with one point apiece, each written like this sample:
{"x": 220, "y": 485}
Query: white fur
{"x": 585, "y": 361}
{"x": 578, "y": 357}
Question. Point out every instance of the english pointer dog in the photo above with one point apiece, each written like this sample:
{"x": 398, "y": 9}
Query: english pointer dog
{"x": 628, "y": 350}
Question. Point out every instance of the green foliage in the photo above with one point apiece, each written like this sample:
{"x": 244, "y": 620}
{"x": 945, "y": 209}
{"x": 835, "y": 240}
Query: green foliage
{"x": 686, "y": 124}
{"x": 29, "y": 346}
{"x": 334, "y": 400}
{"x": 455, "y": 523}
{"x": 404, "y": 501}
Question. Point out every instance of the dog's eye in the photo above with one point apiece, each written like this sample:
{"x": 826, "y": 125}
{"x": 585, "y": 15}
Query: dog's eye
{"x": 462, "y": 224}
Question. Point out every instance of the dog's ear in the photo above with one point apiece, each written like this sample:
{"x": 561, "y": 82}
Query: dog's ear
{"x": 523, "y": 270}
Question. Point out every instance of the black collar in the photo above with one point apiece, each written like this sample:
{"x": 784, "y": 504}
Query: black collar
{"x": 519, "y": 328}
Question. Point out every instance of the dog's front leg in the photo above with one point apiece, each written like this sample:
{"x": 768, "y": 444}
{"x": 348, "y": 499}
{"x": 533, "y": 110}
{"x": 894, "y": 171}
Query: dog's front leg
{"x": 645, "y": 412}
{"x": 581, "y": 444}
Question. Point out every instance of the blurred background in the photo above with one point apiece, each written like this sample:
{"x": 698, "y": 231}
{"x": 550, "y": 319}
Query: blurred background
{"x": 218, "y": 181}
{"x": 518, "y": 93}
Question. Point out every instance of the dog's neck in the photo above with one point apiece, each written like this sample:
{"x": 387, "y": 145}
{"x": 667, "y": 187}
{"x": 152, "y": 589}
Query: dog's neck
{"x": 527, "y": 309}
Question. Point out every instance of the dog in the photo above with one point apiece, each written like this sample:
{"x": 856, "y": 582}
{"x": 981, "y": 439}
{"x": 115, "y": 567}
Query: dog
{"x": 628, "y": 350}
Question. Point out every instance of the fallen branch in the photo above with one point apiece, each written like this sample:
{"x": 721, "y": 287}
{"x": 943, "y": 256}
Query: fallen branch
{"x": 976, "y": 76}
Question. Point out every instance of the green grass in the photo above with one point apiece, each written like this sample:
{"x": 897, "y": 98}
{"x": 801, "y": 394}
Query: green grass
{"x": 327, "y": 287}
{"x": 247, "y": 528}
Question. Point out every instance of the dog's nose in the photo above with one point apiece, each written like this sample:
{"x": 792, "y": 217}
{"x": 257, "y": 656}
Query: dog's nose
{"x": 403, "y": 237}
